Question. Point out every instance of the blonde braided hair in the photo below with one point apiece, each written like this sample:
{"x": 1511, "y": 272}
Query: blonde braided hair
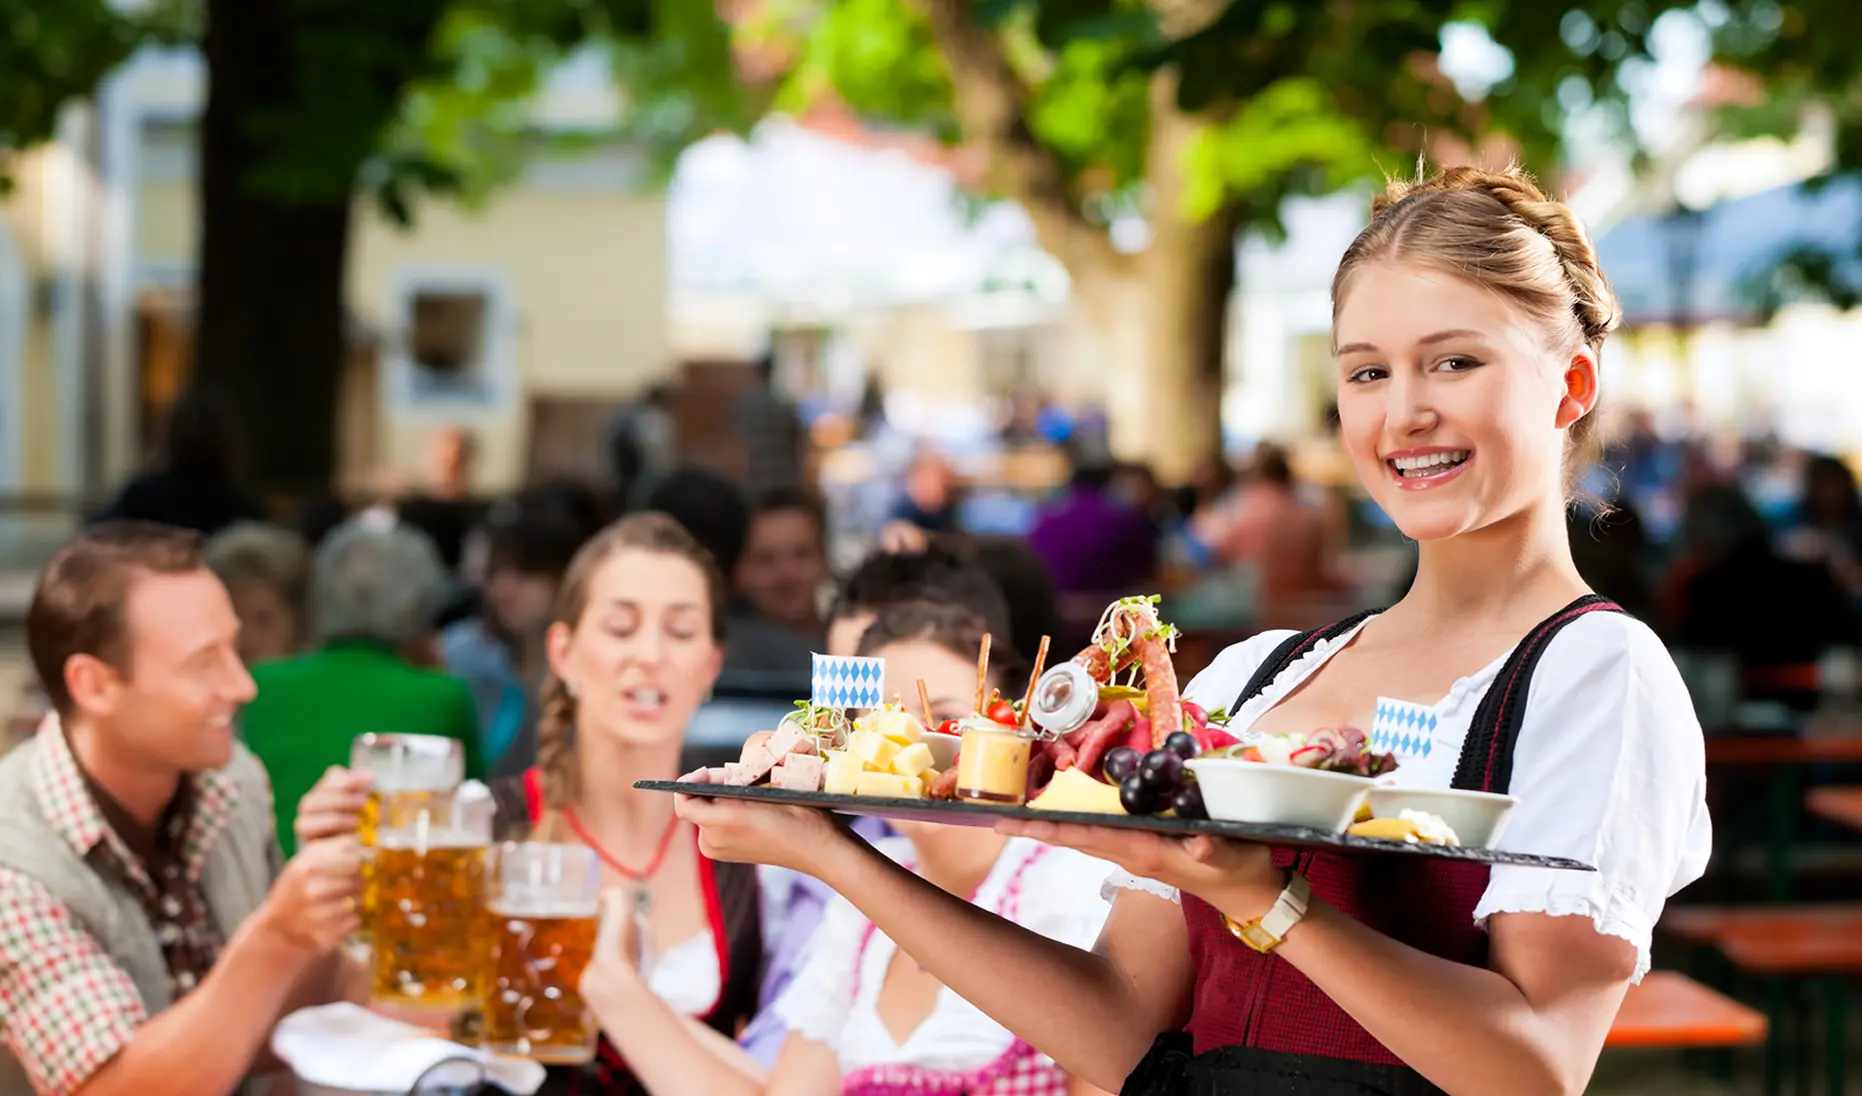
{"x": 1500, "y": 231}
{"x": 556, "y": 754}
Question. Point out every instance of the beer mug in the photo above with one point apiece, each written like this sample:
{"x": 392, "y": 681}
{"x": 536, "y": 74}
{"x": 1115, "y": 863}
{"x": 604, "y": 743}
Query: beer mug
{"x": 413, "y": 773}
{"x": 428, "y": 922}
{"x": 544, "y": 903}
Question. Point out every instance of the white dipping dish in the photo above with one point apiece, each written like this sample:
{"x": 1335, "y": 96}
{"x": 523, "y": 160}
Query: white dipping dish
{"x": 943, "y": 748}
{"x": 1279, "y": 795}
{"x": 1478, "y": 818}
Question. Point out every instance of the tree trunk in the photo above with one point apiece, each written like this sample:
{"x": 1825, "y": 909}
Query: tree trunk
{"x": 269, "y": 331}
{"x": 288, "y": 123}
{"x": 1164, "y": 318}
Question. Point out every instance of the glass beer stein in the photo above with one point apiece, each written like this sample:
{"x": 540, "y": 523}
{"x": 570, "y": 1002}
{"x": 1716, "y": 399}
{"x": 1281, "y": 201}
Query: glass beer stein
{"x": 424, "y": 905}
{"x": 413, "y": 773}
{"x": 544, "y": 906}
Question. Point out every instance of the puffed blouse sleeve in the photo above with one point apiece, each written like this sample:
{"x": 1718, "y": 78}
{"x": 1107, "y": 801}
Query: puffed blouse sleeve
{"x": 1610, "y": 769}
{"x": 817, "y": 1001}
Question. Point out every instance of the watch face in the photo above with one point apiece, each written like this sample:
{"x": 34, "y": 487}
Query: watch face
{"x": 1258, "y": 938}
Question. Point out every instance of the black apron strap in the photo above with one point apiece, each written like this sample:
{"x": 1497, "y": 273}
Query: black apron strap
{"x": 1290, "y": 650}
{"x": 1487, "y": 757}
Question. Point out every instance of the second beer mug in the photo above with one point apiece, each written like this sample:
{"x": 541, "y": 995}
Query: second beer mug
{"x": 545, "y": 903}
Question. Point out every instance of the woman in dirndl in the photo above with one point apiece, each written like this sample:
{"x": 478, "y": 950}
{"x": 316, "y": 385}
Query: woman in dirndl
{"x": 1468, "y": 322}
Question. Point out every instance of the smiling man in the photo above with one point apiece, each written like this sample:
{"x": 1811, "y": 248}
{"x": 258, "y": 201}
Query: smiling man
{"x": 151, "y": 937}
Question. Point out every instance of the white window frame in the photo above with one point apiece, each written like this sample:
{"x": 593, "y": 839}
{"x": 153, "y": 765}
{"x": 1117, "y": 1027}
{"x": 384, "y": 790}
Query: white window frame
{"x": 498, "y": 365}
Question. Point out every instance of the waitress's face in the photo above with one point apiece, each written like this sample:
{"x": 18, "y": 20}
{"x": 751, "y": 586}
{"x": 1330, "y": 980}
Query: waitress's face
{"x": 1450, "y": 403}
{"x": 641, "y": 657}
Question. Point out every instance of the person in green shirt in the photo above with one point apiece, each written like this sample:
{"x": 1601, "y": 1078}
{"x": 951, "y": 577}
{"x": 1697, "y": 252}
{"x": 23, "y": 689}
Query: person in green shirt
{"x": 376, "y": 592}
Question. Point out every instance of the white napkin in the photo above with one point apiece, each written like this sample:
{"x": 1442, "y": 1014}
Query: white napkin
{"x": 345, "y": 1046}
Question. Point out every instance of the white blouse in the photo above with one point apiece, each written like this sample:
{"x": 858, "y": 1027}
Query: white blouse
{"x": 1609, "y": 769}
{"x": 834, "y": 997}
{"x": 687, "y": 977}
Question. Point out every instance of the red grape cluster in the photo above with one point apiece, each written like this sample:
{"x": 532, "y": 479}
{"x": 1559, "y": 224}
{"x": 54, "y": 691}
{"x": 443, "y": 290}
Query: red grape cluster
{"x": 1155, "y": 782}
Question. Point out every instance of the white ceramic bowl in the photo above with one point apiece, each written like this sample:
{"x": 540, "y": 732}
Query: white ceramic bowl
{"x": 1478, "y": 818}
{"x": 1281, "y": 795}
{"x": 943, "y": 748}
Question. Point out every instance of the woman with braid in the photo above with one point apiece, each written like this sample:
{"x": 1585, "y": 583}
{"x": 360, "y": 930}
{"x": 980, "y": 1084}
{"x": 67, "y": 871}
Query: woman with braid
{"x": 1468, "y": 323}
{"x": 637, "y": 640}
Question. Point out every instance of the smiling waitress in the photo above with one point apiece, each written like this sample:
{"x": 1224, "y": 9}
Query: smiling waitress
{"x": 1468, "y": 320}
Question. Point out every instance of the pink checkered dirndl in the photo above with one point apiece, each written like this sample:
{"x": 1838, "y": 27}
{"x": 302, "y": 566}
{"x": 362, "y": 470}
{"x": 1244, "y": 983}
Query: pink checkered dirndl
{"x": 1021, "y": 1070}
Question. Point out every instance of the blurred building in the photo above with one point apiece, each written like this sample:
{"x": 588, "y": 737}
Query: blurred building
{"x": 524, "y": 322}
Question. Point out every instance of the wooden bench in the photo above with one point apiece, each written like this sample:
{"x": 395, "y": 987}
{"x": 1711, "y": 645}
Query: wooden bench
{"x": 1786, "y": 947}
{"x": 1706, "y": 924}
{"x": 1671, "y": 1010}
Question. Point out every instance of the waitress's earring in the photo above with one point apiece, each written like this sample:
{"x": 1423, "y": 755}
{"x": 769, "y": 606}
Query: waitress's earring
{"x": 574, "y": 690}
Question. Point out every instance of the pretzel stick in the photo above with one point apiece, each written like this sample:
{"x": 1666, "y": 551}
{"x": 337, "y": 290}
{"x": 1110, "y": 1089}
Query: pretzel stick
{"x": 924, "y": 701}
{"x": 1040, "y": 663}
{"x": 982, "y": 672}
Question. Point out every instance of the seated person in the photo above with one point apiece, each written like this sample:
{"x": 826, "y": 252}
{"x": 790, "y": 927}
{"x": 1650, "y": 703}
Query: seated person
{"x": 792, "y": 902}
{"x": 375, "y": 593}
{"x": 862, "y": 1017}
{"x": 712, "y": 508}
{"x": 152, "y": 938}
{"x": 266, "y": 569}
{"x": 784, "y": 564}
{"x": 498, "y": 652}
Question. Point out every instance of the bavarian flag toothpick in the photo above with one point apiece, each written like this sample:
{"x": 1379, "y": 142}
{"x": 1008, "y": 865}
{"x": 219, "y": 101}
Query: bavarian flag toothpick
{"x": 848, "y": 682}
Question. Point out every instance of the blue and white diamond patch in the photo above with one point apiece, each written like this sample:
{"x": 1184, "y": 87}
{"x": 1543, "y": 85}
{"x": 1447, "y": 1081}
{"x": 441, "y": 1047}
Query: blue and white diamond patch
{"x": 848, "y": 682}
{"x": 1403, "y": 728}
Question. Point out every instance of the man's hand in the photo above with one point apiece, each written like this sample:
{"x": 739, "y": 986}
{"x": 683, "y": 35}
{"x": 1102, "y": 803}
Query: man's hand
{"x": 334, "y": 807}
{"x": 312, "y": 906}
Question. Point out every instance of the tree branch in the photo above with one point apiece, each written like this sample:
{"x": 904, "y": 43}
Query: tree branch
{"x": 991, "y": 104}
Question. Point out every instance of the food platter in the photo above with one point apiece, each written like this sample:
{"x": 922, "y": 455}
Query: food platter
{"x": 958, "y": 813}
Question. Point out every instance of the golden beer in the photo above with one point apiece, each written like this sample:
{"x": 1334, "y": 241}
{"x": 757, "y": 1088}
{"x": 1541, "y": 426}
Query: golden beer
{"x": 413, "y": 776}
{"x": 429, "y": 925}
{"x": 543, "y": 909}
{"x": 532, "y": 1005}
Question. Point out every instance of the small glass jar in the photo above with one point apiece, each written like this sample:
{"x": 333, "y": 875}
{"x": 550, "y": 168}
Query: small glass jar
{"x": 992, "y": 763}
{"x": 1064, "y": 699}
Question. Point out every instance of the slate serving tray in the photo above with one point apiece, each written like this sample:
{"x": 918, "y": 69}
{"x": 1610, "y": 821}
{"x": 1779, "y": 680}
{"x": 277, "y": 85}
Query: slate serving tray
{"x": 951, "y": 812}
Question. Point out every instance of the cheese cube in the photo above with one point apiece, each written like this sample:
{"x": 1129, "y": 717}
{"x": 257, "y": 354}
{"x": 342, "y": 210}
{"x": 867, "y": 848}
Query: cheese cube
{"x": 873, "y": 748}
{"x": 895, "y": 725}
{"x": 842, "y": 776}
{"x": 890, "y": 786}
{"x": 913, "y": 760}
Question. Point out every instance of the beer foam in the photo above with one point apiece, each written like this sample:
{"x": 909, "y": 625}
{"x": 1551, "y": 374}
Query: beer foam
{"x": 535, "y": 906}
{"x": 431, "y": 840}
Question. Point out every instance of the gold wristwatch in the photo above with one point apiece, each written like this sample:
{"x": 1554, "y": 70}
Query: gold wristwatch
{"x": 1265, "y": 933}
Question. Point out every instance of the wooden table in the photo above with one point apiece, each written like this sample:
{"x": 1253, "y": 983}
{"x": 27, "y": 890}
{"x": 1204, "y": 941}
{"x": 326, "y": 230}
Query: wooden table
{"x": 1784, "y": 755}
{"x": 1840, "y": 805}
{"x": 1672, "y": 1010}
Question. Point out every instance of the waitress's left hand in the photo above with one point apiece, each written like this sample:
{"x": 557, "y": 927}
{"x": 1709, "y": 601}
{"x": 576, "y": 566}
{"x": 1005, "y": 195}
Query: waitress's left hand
{"x": 1227, "y": 874}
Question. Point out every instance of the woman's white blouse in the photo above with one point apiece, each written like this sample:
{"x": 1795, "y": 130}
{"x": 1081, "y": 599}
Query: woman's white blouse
{"x": 1609, "y": 769}
{"x": 834, "y": 997}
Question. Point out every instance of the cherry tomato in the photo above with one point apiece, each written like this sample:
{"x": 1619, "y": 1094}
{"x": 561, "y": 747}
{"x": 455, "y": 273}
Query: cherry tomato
{"x": 949, "y": 726}
{"x": 1003, "y": 712}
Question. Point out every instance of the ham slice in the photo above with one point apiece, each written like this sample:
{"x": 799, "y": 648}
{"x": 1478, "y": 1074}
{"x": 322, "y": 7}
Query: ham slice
{"x": 799, "y": 773}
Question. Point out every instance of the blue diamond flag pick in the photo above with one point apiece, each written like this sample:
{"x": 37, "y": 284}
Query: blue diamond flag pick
{"x": 1402, "y": 728}
{"x": 848, "y": 682}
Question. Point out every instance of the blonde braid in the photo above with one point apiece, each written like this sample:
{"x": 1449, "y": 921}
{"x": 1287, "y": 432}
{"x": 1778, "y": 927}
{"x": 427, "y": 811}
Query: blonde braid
{"x": 555, "y": 758}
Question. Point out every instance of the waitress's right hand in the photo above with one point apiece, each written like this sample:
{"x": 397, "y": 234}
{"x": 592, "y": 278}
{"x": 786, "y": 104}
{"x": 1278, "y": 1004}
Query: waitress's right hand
{"x": 737, "y": 830}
